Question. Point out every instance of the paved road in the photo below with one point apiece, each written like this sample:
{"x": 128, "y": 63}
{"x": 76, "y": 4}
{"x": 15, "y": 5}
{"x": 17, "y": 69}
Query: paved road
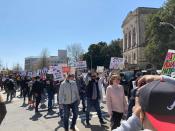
{"x": 21, "y": 118}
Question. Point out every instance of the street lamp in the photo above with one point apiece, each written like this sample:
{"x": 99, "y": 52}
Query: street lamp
{"x": 90, "y": 59}
{"x": 166, "y": 23}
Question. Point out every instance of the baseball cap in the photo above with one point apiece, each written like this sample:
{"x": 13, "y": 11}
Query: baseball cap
{"x": 157, "y": 100}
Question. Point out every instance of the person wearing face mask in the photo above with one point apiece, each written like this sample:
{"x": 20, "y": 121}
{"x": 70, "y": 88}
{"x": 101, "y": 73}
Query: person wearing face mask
{"x": 93, "y": 98}
{"x": 116, "y": 101}
{"x": 70, "y": 99}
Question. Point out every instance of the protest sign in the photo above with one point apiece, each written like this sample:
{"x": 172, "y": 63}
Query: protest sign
{"x": 29, "y": 74}
{"x": 100, "y": 69}
{"x": 66, "y": 69}
{"x": 57, "y": 72}
{"x": 117, "y": 63}
{"x": 169, "y": 64}
{"x": 81, "y": 64}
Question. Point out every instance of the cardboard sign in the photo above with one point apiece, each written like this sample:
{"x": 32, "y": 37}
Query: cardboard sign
{"x": 169, "y": 64}
{"x": 57, "y": 72}
{"x": 117, "y": 63}
{"x": 81, "y": 64}
{"x": 100, "y": 69}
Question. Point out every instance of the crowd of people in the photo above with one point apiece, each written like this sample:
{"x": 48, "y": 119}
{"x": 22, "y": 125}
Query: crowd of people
{"x": 87, "y": 90}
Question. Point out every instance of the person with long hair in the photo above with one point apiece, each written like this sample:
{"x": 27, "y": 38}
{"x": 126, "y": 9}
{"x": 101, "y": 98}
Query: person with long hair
{"x": 116, "y": 101}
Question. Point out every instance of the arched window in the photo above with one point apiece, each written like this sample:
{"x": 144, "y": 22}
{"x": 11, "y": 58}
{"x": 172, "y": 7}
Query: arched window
{"x": 133, "y": 38}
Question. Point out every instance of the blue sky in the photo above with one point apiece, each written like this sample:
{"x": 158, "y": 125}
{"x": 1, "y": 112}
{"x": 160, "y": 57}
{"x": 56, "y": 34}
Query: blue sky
{"x": 28, "y": 26}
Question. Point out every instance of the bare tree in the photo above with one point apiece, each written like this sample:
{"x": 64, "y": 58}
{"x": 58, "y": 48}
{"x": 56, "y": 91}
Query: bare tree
{"x": 75, "y": 51}
{"x": 17, "y": 67}
{"x": 44, "y": 59}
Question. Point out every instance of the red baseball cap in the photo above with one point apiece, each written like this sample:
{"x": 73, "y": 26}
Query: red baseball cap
{"x": 162, "y": 123}
{"x": 157, "y": 100}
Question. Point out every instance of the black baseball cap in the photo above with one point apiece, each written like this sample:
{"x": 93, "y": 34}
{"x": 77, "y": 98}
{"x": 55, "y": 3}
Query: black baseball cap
{"x": 157, "y": 100}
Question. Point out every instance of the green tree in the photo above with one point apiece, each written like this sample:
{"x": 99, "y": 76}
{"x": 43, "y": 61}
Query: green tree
{"x": 160, "y": 38}
{"x": 100, "y": 54}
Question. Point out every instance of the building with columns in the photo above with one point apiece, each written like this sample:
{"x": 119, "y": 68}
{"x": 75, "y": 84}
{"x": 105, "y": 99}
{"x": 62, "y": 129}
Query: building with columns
{"x": 134, "y": 37}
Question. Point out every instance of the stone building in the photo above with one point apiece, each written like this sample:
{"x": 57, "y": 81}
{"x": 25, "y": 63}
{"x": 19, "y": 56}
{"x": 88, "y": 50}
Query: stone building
{"x": 134, "y": 37}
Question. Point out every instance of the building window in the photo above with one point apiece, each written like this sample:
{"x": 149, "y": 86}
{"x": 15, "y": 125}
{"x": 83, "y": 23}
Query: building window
{"x": 129, "y": 41}
{"x": 134, "y": 56}
{"x": 134, "y": 38}
{"x": 126, "y": 59}
{"x": 125, "y": 43}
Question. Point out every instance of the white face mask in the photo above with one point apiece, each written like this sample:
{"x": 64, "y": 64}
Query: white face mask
{"x": 89, "y": 78}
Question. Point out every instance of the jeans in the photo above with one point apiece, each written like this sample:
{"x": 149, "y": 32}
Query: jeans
{"x": 83, "y": 98}
{"x": 96, "y": 105}
{"x": 67, "y": 107}
{"x": 131, "y": 102}
{"x": 50, "y": 99}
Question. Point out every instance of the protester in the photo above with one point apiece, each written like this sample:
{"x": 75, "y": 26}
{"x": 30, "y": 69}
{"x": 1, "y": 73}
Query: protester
{"x": 82, "y": 90}
{"x": 93, "y": 98}
{"x": 10, "y": 88}
{"x": 57, "y": 87}
{"x": 132, "y": 93}
{"x": 155, "y": 104}
{"x": 50, "y": 91}
{"x": 1, "y": 84}
{"x": 25, "y": 88}
{"x": 105, "y": 82}
{"x": 70, "y": 99}
{"x": 31, "y": 98}
{"x": 116, "y": 101}
{"x": 37, "y": 91}
{"x": 3, "y": 110}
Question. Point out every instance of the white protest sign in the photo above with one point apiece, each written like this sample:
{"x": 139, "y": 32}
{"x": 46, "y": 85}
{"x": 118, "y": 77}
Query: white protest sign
{"x": 30, "y": 74}
{"x": 81, "y": 64}
{"x": 100, "y": 69}
{"x": 23, "y": 73}
{"x": 117, "y": 63}
{"x": 58, "y": 73}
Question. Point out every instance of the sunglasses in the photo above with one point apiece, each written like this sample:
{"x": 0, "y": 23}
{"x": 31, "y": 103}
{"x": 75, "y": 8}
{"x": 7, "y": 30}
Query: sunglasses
{"x": 93, "y": 76}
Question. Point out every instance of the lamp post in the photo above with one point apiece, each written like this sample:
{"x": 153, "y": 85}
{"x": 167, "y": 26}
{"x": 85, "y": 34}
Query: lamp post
{"x": 166, "y": 23}
{"x": 90, "y": 59}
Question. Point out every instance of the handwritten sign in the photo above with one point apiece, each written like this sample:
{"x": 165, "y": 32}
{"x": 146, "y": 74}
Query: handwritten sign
{"x": 81, "y": 64}
{"x": 169, "y": 64}
{"x": 100, "y": 69}
{"x": 117, "y": 63}
{"x": 57, "y": 72}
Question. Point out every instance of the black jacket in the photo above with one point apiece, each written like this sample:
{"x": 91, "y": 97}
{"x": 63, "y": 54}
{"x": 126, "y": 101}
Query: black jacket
{"x": 89, "y": 90}
{"x": 37, "y": 88}
{"x": 3, "y": 110}
{"x": 10, "y": 85}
